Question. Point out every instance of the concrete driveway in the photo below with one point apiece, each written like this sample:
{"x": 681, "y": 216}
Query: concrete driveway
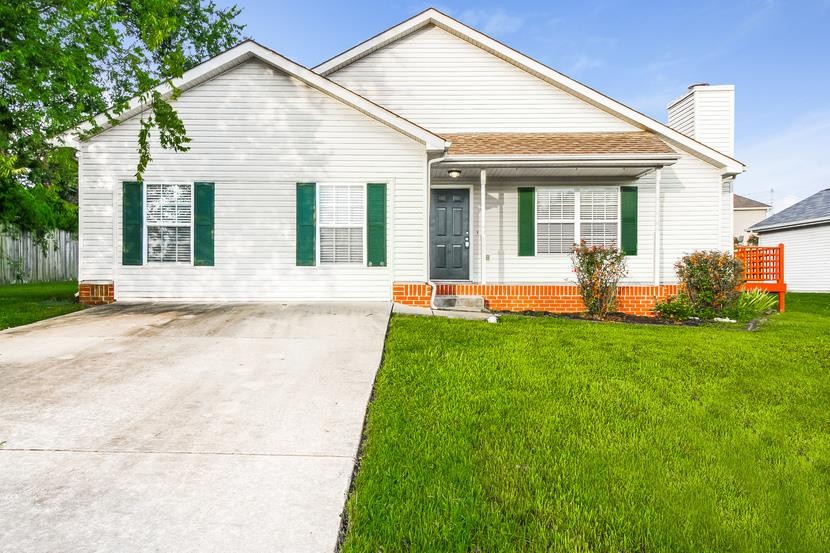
{"x": 184, "y": 427}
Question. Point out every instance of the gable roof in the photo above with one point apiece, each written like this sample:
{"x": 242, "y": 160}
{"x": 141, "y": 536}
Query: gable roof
{"x": 248, "y": 50}
{"x": 809, "y": 211}
{"x": 587, "y": 143}
{"x": 431, "y": 16}
{"x": 742, "y": 202}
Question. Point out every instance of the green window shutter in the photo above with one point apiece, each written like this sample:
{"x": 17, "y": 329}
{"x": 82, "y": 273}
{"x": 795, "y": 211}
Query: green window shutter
{"x": 376, "y": 225}
{"x": 306, "y": 223}
{"x": 527, "y": 221}
{"x": 203, "y": 215}
{"x": 132, "y": 224}
{"x": 628, "y": 216}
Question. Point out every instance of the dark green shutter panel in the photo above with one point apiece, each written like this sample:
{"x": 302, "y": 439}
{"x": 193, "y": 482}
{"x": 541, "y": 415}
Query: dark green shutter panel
{"x": 376, "y": 225}
{"x": 132, "y": 224}
{"x": 306, "y": 223}
{"x": 203, "y": 215}
{"x": 527, "y": 221}
{"x": 628, "y": 214}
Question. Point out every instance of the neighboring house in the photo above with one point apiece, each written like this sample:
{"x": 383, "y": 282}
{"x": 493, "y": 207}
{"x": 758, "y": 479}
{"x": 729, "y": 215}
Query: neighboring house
{"x": 747, "y": 213}
{"x": 429, "y": 153}
{"x": 804, "y": 229}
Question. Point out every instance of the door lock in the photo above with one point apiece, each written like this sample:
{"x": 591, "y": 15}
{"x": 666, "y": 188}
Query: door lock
{"x": 467, "y": 240}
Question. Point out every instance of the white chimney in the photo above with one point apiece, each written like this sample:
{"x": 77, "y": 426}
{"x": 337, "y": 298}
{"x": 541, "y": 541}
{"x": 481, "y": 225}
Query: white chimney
{"x": 707, "y": 114}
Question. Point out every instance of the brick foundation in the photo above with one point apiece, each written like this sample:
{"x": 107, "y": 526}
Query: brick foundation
{"x": 555, "y": 298}
{"x": 96, "y": 293}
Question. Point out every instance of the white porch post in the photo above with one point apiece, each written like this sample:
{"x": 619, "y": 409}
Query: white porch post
{"x": 481, "y": 227}
{"x": 658, "y": 173}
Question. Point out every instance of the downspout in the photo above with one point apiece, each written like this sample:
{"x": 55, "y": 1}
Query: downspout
{"x": 658, "y": 173}
{"x": 430, "y": 162}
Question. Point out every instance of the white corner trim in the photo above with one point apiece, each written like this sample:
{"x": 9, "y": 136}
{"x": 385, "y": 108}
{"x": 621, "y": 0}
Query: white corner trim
{"x": 727, "y": 164}
{"x": 248, "y": 50}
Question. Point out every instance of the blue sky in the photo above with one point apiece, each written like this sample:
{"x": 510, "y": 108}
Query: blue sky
{"x": 643, "y": 54}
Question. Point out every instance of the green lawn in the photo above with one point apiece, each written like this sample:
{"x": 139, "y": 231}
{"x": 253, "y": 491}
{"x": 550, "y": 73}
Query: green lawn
{"x": 22, "y": 304}
{"x": 560, "y": 435}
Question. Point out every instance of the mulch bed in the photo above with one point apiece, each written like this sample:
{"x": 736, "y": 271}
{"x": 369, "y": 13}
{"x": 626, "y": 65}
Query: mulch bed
{"x": 610, "y": 318}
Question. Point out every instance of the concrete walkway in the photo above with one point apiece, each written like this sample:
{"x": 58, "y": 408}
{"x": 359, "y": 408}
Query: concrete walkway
{"x": 184, "y": 427}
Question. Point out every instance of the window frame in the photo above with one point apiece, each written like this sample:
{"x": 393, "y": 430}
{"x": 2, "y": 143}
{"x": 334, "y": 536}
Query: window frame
{"x": 145, "y": 226}
{"x": 319, "y": 226}
{"x": 577, "y": 220}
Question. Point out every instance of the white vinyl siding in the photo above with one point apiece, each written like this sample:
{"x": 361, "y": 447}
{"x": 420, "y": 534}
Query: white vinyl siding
{"x": 255, "y": 133}
{"x": 341, "y": 223}
{"x": 806, "y": 251}
{"x": 446, "y": 84}
{"x": 168, "y": 221}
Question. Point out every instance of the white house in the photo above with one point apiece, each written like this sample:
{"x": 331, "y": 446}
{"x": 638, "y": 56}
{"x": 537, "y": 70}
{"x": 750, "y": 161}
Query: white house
{"x": 430, "y": 157}
{"x": 804, "y": 229}
{"x": 747, "y": 212}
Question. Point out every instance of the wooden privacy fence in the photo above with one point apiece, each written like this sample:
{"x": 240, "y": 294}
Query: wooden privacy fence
{"x": 21, "y": 257}
{"x": 764, "y": 269}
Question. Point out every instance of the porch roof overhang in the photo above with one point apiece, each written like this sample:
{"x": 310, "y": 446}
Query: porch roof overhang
{"x": 568, "y": 165}
{"x": 557, "y": 154}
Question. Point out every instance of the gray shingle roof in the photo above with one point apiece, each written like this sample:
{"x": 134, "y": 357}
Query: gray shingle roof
{"x": 742, "y": 202}
{"x": 816, "y": 208}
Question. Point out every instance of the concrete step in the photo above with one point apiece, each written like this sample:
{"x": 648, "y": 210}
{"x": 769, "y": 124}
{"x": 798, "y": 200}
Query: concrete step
{"x": 460, "y": 303}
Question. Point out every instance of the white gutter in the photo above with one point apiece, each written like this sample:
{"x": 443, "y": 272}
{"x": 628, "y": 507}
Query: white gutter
{"x": 793, "y": 224}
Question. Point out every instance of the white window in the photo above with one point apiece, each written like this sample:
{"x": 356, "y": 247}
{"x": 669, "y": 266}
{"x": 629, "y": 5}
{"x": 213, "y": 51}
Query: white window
{"x": 560, "y": 225}
{"x": 168, "y": 219}
{"x": 598, "y": 216}
{"x": 555, "y": 220}
{"x": 342, "y": 216}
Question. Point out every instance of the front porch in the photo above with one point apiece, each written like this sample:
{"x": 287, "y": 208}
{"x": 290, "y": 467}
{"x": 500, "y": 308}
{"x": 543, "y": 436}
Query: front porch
{"x": 505, "y": 211}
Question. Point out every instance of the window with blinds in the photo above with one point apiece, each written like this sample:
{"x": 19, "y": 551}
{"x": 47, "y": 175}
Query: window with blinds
{"x": 565, "y": 216}
{"x": 341, "y": 221}
{"x": 169, "y": 218}
{"x": 555, "y": 210}
{"x": 599, "y": 215}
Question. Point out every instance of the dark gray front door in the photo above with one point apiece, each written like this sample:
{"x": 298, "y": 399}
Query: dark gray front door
{"x": 449, "y": 234}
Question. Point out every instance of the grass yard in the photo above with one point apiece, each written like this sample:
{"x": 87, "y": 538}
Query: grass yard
{"x": 22, "y": 304}
{"x": 560, "y": 435}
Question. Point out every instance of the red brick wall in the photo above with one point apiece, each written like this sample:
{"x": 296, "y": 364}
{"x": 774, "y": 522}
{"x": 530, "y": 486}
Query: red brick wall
{"x": 555, "y": 298}
{"x": 96, "y": 293}
{"x": 412, "y": 293}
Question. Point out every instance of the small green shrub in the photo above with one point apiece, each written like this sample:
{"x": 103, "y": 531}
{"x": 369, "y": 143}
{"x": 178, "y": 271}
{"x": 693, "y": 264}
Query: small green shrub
{"x": 598, "y": 272}
{"x": 676, "y": 308}
{"x": 710, "y": 279}
{"x": 752, "y": 304}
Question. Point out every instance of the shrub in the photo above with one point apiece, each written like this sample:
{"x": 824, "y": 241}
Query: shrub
{"x": 710, "y": 280}
{"x": 676, "y": 308}
{"x": 752, "y": 304}
{"x": 598, "y": 272}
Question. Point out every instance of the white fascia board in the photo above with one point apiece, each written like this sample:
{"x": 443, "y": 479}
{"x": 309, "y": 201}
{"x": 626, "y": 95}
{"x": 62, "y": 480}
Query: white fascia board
{"x": 727, "y": 164}
{"x": 248, "y": 50}
{"x": 795, "y": 224}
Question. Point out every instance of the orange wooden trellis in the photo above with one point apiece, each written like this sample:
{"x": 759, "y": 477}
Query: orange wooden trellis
{"x": 764, "y": 269}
